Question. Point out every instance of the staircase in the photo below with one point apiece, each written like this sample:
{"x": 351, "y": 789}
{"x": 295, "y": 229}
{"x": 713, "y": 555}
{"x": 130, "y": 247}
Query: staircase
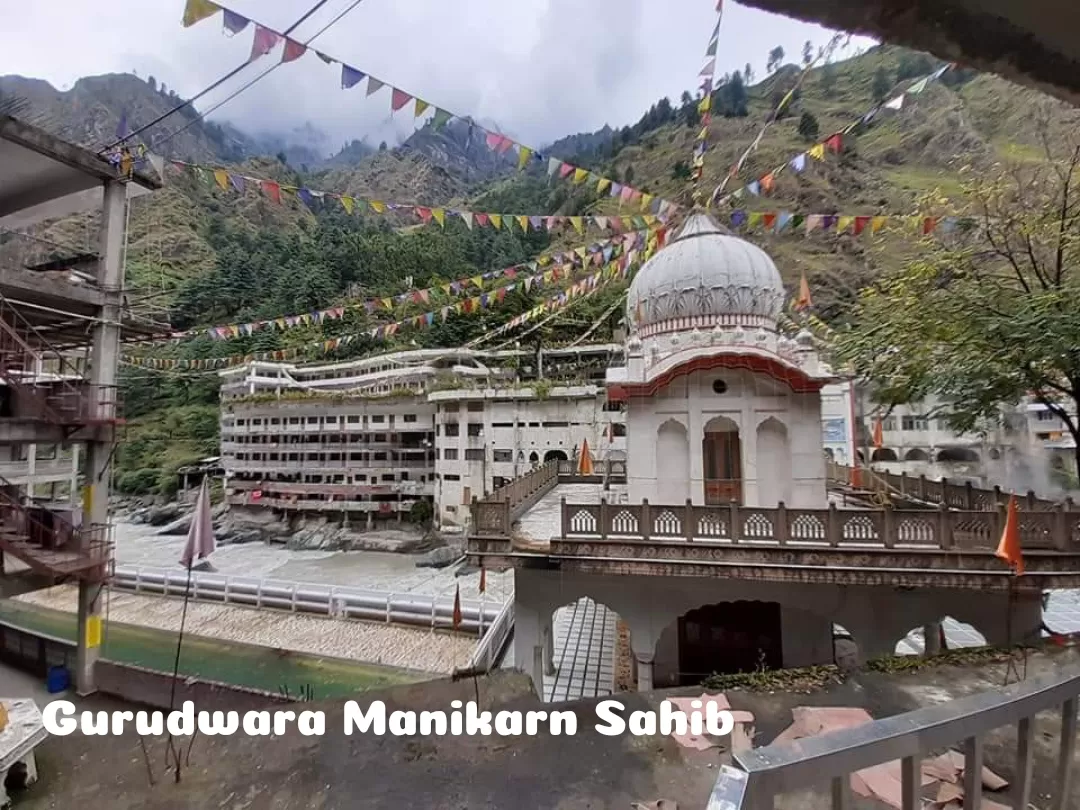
{"x": 49, "y": 543}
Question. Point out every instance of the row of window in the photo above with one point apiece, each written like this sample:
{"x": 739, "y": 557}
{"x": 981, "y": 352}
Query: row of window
{"x": 356, "y": 419}
{"x": 411, "y": 443}
{"x": 412, "y": 460}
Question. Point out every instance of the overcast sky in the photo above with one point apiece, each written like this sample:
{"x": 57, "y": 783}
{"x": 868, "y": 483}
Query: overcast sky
{"x": 538, "y": 69}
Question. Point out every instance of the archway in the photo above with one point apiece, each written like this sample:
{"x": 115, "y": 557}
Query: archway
{"x": 587, "y": 653}
{"x": 555, "y": 455}
{"x": 884, "y": 454}
{"x": 955, "y": 634}
{"x": 957, "y": 455}
{"x": 534, "y": 458}
{"x": 672, "y": 463}
{"x": 720, "y": 638}
{"x": 721, "y": 452}
{"x": 915, "y": 454}
{"x": 774, "y": 463}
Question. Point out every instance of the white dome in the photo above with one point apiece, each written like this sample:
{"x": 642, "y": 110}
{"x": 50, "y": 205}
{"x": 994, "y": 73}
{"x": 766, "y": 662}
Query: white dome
{"x": 707, "y": 275}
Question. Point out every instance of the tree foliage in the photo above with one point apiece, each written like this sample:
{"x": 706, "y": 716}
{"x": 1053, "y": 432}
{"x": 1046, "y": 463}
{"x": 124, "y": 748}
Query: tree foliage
{"x": 776, "y": 59}
{"x": 990, "y": 313}
{"x": 809, "y": 129}
{"x": 882, "y": 84}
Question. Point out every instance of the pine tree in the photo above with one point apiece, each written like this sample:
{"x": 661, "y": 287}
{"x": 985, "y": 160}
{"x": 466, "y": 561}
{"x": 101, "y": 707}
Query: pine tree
{"x": 808, "y": 127}
{"x": 776, "y": 59}
{"x": 807, "y": 53}
{"x": 882, "y": 85}
{"x": 748, "y": 74}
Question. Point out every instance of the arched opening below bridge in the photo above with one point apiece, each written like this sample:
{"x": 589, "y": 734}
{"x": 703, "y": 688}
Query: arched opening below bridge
{"x": 555, "y": 455}
{"x": 953, "y": 455}
{"x": 953, "y": 635}
{"x": 586, "y": 652}
{"x": 915, "y": 454}
{"x": 884, "y": 454}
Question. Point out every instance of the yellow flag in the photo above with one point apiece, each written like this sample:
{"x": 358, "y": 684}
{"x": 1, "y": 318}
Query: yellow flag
{"x": 440, "y": 216}
{"x": 222, "y": 178}
{"x": 754, "y": 219}
{"x": 421, "y": 105}
{"x": 347, "y": 204}
{"x": 581, "y": 252}
{"x": 478, "y": 281}
{"x": 496, "y": 220}
{"x": 705, "y": 104}
{"x": 580, "y": 175}
{"x": 603, "y": 185}
{"x": 650, "y": 219}
{"x": 93, "y": 631}
{"x": 877, "y": 223}
{"x": 817, "y": 151}
{"x": 578, "y": 223}
{"x": 843, "y": 223}
{"x": 524, "y": 153}
{"x": 377, "y": 206}
{"x": 197, "y": 10}
{"x": 523, "y": 221}
{"x": 646, "y": 201}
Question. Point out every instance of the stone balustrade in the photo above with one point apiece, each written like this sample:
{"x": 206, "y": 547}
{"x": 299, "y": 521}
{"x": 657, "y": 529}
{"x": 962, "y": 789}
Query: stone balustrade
{"x": 940, "y": 529}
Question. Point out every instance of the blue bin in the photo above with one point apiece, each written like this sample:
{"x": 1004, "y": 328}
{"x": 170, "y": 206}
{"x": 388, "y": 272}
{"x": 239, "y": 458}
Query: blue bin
{"x": 58, "y": 680}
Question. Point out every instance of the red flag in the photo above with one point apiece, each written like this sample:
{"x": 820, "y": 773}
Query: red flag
{"x": 835, "y": 142}
{"x": 483, "y": 579}
{"x": 273, "y": 190}
{"x": 861, "y": 223}
{"x": 929, "y": 224}
{"x": 399, "y": 99}
{"x": 263, "y": 42}
{"x": 1009, "y": 547}
{"x": 293, "y": 50}
{"x": 457, "y": 607}
{"x": 879, "y": 439}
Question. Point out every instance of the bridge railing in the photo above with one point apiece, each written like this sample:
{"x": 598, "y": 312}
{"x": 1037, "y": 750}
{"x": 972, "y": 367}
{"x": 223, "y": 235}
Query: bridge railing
{"x": 939, "y": 491}
{"x": 940, "y": 528}
{"x": 830, "y": 759}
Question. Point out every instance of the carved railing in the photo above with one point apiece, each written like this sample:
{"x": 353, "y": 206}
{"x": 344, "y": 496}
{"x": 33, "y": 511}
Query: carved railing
{"x": 942, "y": 528}
{"x": 610, "y": 470}
{"x": 937, "y": 492}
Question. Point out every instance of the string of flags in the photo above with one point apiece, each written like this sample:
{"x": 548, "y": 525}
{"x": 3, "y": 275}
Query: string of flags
{"x": 834, "y": 143}
{"x": 707, "y": 78}
{"x": 228, "y": 180}
{"x": 790, "y": 222}
{"x": 266, "y": 39}
{"x": 560, "y": 266}
{"x": 613, "y": 271}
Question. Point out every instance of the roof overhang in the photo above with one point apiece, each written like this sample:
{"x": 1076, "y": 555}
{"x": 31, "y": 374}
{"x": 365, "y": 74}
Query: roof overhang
{"x": 43, "y": 176}
{"x": 1034, "y": 42}
{"x": 795, "y": 378}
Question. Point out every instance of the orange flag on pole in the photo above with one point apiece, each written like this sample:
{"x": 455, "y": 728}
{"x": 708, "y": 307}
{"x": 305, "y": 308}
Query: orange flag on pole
{"x": 1009, "y": 547}
{"x": 803, "y": 301}
{"x": 457, "y": 607}
{"x": 585, "y": 466}
{"x": 879, "y": 440}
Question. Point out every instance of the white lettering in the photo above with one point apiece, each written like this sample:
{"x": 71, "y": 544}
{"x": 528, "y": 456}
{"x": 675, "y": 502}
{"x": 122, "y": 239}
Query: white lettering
{"x": 312, "y": 724}
{"x": 213, "y": 723}
{"x": 613, "y": 725}
{"x": 672, "y": 720}
{"x": 477, "y": 722}
{"x": 643, "y": 723}
{"x": 713, "y": 714}
{"x": 257, "y": 724}
{"x": 456, "y": 726}
{"x": 403, "y": 724}
{"x": 149, "y": 723}
{"x": 533, "y": 721}
{"x": 432, "y": 723}
{"x": 92, "y": 725}
{"x": 182, "y": 723}
{"x": 375, "y": 719}
{"x": 281, "y": 721}
{"x": 118, "y": 719}
{"x": 58, "y": 718}
{"x": 508, "y": 723}
{"x": 563, "y": 723}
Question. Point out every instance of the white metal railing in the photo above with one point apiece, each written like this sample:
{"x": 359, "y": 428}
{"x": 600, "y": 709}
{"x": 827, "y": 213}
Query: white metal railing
{"x": 487, "y": 652}
{"x": 830, "y": 759}
{"x": 421, "y": 610}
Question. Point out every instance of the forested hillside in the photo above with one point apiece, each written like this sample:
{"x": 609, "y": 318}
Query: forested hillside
{"x": 214, "y": 255}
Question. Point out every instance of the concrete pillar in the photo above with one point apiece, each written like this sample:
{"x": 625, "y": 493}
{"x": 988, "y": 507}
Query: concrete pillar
{"x": 105, "y": 347}
{"x": 644, "y": 671}
{"x": 931, "y": 639}
{"x": 370, "y": 520}
{"x": 549, "y": 649}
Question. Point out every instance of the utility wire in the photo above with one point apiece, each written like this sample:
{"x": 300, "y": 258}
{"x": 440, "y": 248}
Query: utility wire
{"x": 242, "y": 88}
{"x": 234, "y": 72}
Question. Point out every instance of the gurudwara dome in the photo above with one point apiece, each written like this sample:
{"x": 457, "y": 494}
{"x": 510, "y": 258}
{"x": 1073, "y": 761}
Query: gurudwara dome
{"x": 705, "y": 278}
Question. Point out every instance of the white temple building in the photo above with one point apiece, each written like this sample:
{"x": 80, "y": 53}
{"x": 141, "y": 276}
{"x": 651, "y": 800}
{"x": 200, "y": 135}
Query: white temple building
{"x": 720, "y": 406}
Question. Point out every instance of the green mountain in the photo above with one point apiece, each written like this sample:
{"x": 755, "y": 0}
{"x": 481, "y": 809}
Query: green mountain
{"x": 208, "y": 255}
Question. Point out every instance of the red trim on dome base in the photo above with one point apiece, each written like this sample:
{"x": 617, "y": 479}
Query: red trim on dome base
{"x": 799, "y": 381}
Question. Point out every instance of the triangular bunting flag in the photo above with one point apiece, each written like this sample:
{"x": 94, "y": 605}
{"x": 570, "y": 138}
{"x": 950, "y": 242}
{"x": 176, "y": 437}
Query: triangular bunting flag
{"x": 399, "y": 99}
{"x": 580, "y": 175}
{"x": 877, "y": 223}
{"x": 496, "y": 220}
{"x": 347, "y": 204}
{"x": 553, "y": 166}
{"x": 263, "y": 43}
{"x": 440, "y": 216}
{"x": 860, "y": 224}
{"x": 919, "y": 86}
{"x": 374, "y": 85}
{"x": 377, "y": 206}
{"x": 234, "y": 23}
{"x": 524, "y": 153}
{"x": 198, "y": 10}
{"x": 222, "y": 178}
{"x": 603, "y": 185}
{"x": 293, "y": 50}
{"x": 420, "y": 108}
{"x": 350, "y": 77}
{"x": 803, "y": 302}
{"x": 799, "y": 163}
{"x": 817, "y": 151}
{"x": 523, "y": 221}
{"x": 843, "y": 223}
{"x": 272, "y": 190}
{"x": 895, "y": 104}
{"x": 438, "y": 121}
{"x": 467, "y": 218}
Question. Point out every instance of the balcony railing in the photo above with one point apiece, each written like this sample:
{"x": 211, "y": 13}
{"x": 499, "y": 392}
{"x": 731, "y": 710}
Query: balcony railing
{"x": 938, "y": 492}
{"x": 49, "y": 543}
{"x": 864, "y": 528}
{"x": 828, "y": 761}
